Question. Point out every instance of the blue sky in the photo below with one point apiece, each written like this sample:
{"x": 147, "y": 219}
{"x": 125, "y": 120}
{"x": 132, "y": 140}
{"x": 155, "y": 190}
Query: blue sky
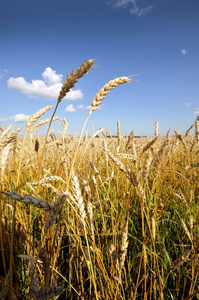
{"x": 41, "y": 41}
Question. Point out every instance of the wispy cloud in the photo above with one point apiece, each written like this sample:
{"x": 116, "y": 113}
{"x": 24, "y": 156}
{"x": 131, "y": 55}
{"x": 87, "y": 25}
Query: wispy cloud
{"x": 183, "y": 51}
{"x": 80, "y": 106}
{"x": 70, "y": 108}
{"x": 2, "y": 120}
{"x": 3, "y": 73}
{"x": 17, "y": 118}
{"x": 196, "y": 112}
{"x": 87, "y": 107}
{"x": 48, "y": 88}
{"x": 135, "y": 9}
{"x": 187, "y": 103}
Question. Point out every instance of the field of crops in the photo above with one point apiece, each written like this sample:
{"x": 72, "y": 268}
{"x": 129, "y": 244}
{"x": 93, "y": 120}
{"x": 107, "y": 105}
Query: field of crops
{"x": 96, "y": 216}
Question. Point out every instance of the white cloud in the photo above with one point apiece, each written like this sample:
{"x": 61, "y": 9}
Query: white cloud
{"x": 20, "y": 118}
{"x": 48, "y": 88}
{"x": 16, "y": 118}
{"x": 196, "y": 112}
{"x": 70, "y": 108}
{"x": 50, "y": 76}
{"x": 80, "y": 106}
{"x": 135, "y": 9}
{"x": 87, "y": 107}
{"x": 141, "y": 11}
{"x": 187, "y": 103}
{"x": 183, "y": 51}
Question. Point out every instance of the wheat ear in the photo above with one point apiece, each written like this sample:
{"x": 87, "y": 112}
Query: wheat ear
{"x": 129, "y": 141}
{"x": 124, "y": 244}
{"x": 118, "y": 134}
{"x": 72, "y": 78}
{"x": 107, "y": 88}
{"x": 45, "y": 121}
{"x": 54, "y": 212}
{"x": 32, "y": 119}
{"x": 44, "y": 205}
{"x": 180, "y": 260}
{"x": 156, "y": 129}
{"x": 145, "y": 148}
{"x": 188, "y": 131}
{"x": 9, "y": 138}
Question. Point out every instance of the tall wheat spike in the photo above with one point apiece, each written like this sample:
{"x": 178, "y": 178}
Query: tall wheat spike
{"x": 156, "y": 129}
{"x": 47, "y": 206}
{"x": 105, "y": 90}
{"x": 54, "y": 212}
{"x": 32, "y": 119}
{"x": 124, "y": 244}
{"x": 118, "y": 134}
{"x": 189, "y": 130}
{"x": 5, "y": 131}
{"x": 72, "y": 78}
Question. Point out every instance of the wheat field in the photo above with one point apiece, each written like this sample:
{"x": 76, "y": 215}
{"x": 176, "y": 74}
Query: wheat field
{"x": 97, "y": 216}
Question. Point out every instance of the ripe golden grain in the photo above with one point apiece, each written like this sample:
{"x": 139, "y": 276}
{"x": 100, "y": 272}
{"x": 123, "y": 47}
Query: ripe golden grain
{"x": 72, "y": 78}
{"x": 32, "y": 119}
{"x": 107, "y": 88}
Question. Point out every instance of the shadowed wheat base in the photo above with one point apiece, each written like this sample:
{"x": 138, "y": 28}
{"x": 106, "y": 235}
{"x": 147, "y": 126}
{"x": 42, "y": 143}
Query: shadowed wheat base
{"x": 96, "y": 216}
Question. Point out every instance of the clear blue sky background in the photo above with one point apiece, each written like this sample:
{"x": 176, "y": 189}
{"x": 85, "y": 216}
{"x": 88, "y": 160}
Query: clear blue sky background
{"x": 43, "y": 40}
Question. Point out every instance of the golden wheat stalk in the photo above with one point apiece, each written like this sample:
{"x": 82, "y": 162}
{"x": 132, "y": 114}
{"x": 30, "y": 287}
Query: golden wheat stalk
{"x": 32, "y": 119}
{"x": 118, "y": 134}
{"x": 146, "y": 166}
{"x": 44, "y": 205}
{"x": 54, "y": 212}
{"x": 43, "y": 122}
{"x": 130, "y": 174}
{"x": 187, "y": 231}
{"x": 126, "y": 156}
{"x": 181, "y": 196}
{"x": 130, "y": 141}
{"x": 189, "y": 130}
{"x": 158, "y": 156}
{"x": 72, "y": 78}
{"x": 5, "y": 131}
{"x": 107, "y": 88}
{"x": 148, "y": 145}
{"x": 124, "y": 244}
{"x": 48, "y": 179}
{"x": 7, "y": 153}
{"x": 156, "y": 129}
{"x": 77, "y": 197}
{"x": 9, "y": 138}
